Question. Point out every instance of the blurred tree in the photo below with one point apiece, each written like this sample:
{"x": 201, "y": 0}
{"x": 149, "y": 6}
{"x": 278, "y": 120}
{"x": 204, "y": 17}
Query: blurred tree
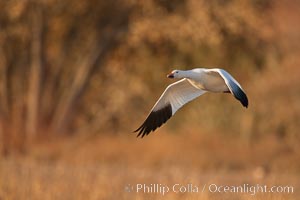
{"x": 49, "y": 50}
{"x": 83, "y": 66}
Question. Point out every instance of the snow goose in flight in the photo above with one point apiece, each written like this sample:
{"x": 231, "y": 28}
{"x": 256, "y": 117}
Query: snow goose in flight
{"x": 193, "y": 83}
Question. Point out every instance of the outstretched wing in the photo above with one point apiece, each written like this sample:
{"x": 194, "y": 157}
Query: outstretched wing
{"x": 173, "y": 98}
{"x": 234, "y": 87}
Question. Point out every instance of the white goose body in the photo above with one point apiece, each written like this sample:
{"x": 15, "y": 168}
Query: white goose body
{"x": 193, "y": 84}
{"x": 206, "y": 80}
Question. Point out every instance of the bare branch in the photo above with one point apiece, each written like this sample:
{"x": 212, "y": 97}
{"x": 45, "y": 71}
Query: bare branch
{"x": 35, "y": 71}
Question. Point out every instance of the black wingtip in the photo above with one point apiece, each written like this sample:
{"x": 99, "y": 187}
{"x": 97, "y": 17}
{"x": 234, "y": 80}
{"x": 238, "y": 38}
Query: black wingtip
{"x": 244, "y": 102}
{"x": 242, "y": 97}
{"x": 154, "y": 120}
{"x": 140, "y": 130}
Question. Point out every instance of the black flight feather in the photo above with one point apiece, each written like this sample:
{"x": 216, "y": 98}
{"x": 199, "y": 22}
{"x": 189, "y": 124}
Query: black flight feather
{"x": 154, "y": 120}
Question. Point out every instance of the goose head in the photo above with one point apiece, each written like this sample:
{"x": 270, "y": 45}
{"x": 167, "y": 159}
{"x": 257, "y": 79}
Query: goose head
{"x": 176, "y": 74}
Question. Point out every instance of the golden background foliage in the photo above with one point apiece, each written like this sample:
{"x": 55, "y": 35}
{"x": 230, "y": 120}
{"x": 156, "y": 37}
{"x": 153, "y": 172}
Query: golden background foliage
{"x": 77, "y": 77}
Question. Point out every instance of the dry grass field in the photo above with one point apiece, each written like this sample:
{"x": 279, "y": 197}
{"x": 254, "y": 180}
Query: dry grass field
{"x": 102, "y": 168}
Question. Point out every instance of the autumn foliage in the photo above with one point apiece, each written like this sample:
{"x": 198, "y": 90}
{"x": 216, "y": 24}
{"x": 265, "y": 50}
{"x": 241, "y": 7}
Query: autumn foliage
{"x": 70, "y": 67}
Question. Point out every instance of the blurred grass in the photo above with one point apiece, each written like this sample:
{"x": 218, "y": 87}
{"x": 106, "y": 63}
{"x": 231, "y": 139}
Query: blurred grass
{"x": 101, "y": 167}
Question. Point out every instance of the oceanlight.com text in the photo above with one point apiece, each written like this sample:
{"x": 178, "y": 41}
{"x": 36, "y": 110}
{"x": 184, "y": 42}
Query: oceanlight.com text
{"x": 249, "y": 189}
{"x": 163, "y": 189}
